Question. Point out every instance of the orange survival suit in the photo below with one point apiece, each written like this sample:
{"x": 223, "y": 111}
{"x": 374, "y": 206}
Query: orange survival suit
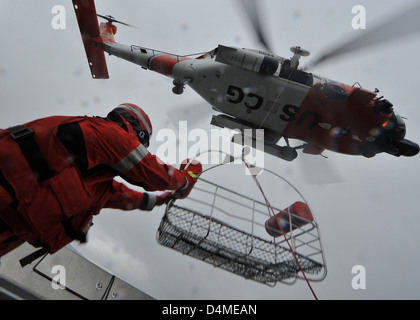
{"x": 56, "y": 173}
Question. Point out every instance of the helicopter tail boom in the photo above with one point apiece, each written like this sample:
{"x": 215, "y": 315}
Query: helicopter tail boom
{"x": 92, "y": 36}
{"x": 98, "y": 39}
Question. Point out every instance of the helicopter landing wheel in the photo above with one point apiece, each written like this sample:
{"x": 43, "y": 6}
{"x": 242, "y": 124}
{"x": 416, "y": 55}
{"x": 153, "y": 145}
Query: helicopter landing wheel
{"x": 178, "y": 90}
{"x": 179, "y": 85}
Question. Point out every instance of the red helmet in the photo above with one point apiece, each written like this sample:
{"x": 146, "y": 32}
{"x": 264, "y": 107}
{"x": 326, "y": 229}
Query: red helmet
{"x": 136, "y": 121}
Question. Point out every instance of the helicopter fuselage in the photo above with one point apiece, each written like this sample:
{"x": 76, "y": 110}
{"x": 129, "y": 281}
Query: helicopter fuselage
{"x": 324, "y": 114}
{"x": 252, "y": 89}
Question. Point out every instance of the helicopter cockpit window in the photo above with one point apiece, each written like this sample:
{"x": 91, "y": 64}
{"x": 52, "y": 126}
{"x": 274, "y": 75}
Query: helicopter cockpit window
{"x": 295, "y": 74}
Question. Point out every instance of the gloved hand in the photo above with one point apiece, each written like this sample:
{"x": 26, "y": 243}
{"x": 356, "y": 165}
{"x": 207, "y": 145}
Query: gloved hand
{"x": 195, "y": 166}
{"x": 191, "y": 173}
{"x": 164, "y": 198}
{"x": 150, "y": 201}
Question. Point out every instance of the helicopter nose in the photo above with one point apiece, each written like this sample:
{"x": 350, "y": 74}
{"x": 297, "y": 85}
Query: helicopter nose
{"x": 395, "y": 131}
{"x": 395, "y": 127}
{"x": 407, "y": 148}
{"x": 400, "y": 129}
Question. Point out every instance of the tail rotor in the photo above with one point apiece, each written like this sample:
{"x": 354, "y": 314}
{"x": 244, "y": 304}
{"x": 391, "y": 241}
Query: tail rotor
{"x": 111, "y": 19}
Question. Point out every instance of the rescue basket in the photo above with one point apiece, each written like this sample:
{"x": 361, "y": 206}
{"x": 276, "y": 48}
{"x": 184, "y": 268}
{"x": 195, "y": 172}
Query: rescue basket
{"x": 229, "y": 230}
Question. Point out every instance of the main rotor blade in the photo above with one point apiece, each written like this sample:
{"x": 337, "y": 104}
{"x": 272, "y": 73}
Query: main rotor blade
{"x": 403, "y": 24}
{"x": 251, "y": 9}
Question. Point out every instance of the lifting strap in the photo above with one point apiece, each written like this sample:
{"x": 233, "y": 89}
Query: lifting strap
{"x": 32, "y": 257}
{"x": 24, "y": 136}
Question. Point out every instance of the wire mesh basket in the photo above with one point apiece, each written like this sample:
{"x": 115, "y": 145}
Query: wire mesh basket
{"x": 230, "y": 231}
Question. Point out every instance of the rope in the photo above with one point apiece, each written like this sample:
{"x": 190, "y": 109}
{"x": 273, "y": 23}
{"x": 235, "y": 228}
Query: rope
{"x": 284, "y": 234}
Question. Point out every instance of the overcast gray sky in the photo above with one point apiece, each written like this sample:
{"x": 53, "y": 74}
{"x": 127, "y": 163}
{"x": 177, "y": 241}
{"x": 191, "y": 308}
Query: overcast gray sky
{"x": 370, "y": 218}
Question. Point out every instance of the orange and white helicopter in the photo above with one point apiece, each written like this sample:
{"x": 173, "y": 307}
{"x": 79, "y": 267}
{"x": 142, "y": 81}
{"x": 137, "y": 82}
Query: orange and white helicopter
{"x": 256, "y": 89}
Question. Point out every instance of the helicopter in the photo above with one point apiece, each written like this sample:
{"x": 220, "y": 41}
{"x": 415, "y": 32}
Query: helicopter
{"x": 257, "y": 89}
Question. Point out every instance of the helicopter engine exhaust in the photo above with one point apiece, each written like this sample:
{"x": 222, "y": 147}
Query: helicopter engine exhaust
{"x": 250, "y": 60}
